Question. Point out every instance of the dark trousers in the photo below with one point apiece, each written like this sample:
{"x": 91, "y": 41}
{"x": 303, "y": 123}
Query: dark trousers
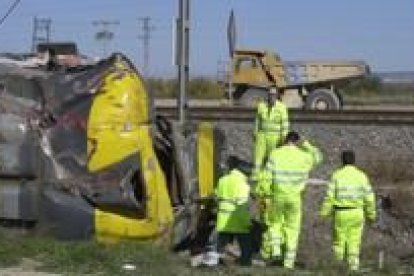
{"x": 244, "y": 242}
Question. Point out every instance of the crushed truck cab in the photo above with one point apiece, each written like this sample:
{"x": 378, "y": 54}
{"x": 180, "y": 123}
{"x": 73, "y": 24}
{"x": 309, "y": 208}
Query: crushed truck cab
{"x": 83, "y": 155}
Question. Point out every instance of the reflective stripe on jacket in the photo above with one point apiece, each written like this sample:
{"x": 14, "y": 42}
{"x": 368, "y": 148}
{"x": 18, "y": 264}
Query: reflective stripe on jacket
{"x": 349, "y": 188}
{"x": 273, "y": 120}
{"x": 290, "y": 165}
{"x": 232, "y": 194}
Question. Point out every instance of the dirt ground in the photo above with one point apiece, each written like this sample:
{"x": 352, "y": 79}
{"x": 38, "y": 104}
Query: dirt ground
{"x": 27, "y": 267}
{"x": 22, "y": 272}
{"x": 387, "y": 243}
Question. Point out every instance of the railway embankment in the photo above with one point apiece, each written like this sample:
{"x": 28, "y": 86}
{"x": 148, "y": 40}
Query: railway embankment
{"x": 386, "y": 152}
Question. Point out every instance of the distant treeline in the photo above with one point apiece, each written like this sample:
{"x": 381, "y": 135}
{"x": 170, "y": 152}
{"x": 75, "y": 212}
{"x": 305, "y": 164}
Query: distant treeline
{"x": 373, "y": 85}
{"x": 198, "y": 88}
{"x": 207, "y": 88}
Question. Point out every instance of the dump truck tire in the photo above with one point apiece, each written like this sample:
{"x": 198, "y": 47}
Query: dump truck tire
{"x": 251, "y": 96}
{"x": 322, "y": 99}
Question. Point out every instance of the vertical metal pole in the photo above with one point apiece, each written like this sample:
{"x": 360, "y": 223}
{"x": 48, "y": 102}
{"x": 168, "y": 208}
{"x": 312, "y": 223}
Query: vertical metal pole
{"x": 41, "y": 31}
{"x": 146, "y": 37}
{"x": 231, "y": 38}
{"x": 34, "y": 34}
{"x": 47, "y": 27}
{"x": 104, "y": 43}
{"x": 183, "y": 56}
{"x": 187, "y": 42}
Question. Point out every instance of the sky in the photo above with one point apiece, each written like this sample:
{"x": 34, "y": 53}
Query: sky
{"x": 380, "y": 32}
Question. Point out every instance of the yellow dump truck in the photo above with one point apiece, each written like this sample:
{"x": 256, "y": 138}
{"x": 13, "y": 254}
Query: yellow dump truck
{"x": 316, "y": 83}
{"x": 82, "y": 154}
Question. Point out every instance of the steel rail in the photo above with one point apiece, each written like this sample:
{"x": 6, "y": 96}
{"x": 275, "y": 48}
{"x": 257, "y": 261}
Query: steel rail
{"x": 246, "y": 114}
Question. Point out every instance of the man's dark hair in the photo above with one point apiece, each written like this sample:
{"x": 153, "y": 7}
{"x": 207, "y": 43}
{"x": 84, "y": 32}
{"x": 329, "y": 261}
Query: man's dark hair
{"x": 348, "y": 157}
{"x": 292, "y": 137}
{"x": 234, "y": 162}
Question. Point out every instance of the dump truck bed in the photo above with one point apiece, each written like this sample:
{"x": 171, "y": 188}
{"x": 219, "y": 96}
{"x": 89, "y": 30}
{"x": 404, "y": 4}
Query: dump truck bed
{"x": 307, "y": 72}
{"x": 264, "y": 69}
{"x": 298, "y": 73}
{"x": 316, "y": 82}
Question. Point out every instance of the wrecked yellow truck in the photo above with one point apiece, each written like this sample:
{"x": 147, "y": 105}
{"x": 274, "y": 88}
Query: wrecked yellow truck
{"x": 83, "y": 155}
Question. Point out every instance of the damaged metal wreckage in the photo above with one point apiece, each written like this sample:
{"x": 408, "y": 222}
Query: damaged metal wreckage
{"x": 83, "y": 155}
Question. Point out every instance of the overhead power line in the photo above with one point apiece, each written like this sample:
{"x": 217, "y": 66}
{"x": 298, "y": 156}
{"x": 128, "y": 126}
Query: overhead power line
{"x": 104, "y": 35}
{"x": 9, "y": 11}
{"x": 146, "y": 37}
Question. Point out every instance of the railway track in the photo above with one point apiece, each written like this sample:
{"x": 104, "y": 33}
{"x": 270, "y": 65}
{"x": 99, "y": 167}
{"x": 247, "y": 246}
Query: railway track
{"x": 246, "y": 114}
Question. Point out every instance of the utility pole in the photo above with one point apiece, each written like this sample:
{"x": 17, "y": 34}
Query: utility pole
{"x": 183, "y": 43}
{"x": 41, "y": 31}
{"x": 146, "y": 38}
{"x": 232, "y": 40}
{"x": 221, "y": 74}
{"x": 104, "y": 35}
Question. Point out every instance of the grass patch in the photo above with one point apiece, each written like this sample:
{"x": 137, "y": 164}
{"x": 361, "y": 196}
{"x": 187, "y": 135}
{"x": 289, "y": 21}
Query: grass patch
{"x": 402, "y": 100}
{"x": 198, "y": 88}
{"x": 91, "y": 258}
{"x": 79, "y": 258}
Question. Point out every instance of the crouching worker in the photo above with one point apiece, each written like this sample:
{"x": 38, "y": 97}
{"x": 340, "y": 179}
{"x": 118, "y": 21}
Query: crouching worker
{"x": 349, "y": 199}
{"x": 233, "y": 212}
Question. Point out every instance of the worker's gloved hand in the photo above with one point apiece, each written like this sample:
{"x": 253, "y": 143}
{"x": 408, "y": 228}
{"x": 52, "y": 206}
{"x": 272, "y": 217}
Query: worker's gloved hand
{"x": 265, "y": 204}
{"x": 262, "y": 205}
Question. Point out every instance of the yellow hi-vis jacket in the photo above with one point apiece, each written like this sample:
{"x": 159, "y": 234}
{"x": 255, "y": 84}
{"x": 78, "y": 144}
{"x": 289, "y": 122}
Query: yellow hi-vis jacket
{"x": 289, "y": 167}
{"x": 349, "y": 188}
{"x": 232, "y": 193}
{"x": 272, "y": 120}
